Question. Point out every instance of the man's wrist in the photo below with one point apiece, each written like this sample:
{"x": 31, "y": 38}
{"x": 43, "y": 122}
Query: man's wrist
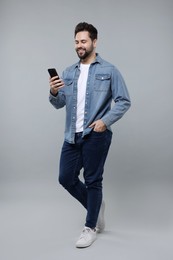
{"x": 55, "y": 95}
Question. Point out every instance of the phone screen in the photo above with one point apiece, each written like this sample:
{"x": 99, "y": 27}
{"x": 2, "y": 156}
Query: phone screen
{"x": 53, "y": 72}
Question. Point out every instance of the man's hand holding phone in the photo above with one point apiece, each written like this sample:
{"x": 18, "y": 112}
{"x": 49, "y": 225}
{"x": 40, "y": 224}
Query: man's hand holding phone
{"x": 55, "y": 82}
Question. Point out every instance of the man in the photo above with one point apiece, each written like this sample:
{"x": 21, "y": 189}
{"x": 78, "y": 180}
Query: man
{"x": 87, "y": 89}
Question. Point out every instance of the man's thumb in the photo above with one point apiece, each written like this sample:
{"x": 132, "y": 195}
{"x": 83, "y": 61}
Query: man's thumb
{"x": 92, "y": 125}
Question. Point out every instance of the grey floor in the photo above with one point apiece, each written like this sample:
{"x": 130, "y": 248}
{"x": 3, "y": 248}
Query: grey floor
{"x": 40, "y": 221}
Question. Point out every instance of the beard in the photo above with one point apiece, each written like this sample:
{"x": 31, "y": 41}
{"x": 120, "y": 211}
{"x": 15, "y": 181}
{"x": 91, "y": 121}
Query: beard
{"x": 83, "y": 53}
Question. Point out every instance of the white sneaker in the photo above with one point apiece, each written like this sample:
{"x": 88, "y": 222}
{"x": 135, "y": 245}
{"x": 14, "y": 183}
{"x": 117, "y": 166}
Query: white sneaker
{"x": 101, "y": 221}
{"x": 87, "y": 237}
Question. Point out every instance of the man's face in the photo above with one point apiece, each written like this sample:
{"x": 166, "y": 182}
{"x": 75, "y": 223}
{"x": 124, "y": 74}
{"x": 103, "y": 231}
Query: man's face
{"x": 84, "y": 46}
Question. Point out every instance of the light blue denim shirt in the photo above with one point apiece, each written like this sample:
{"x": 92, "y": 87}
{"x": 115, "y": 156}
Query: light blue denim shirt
{"x": 104, "y": 84}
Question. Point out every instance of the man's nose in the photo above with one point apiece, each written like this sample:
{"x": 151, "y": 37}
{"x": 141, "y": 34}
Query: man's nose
{"x": 79, "y": 45}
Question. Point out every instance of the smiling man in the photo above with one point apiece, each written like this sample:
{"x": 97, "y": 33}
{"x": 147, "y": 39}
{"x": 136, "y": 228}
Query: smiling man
{"x": 87, "y": 89}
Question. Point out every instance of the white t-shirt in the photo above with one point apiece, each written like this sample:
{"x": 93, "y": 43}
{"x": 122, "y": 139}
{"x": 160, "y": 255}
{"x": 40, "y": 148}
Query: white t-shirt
{"x": 81, "y": 87}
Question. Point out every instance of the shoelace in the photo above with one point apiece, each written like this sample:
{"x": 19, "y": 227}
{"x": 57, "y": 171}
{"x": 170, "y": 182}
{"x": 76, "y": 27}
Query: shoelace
{"x": 85, "y": 232}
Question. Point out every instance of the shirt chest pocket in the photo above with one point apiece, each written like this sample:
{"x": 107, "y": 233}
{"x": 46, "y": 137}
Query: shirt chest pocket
{"x": 102, "y": 82}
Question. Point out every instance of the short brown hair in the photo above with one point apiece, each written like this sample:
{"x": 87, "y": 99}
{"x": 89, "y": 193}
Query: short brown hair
{"x": 86, "y": 27}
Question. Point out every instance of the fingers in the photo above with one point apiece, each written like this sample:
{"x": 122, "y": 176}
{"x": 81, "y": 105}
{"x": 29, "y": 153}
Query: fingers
{"x": 55, "y": 84}
{"x": 92, "y": 125}
{"x": 98, "y": 126}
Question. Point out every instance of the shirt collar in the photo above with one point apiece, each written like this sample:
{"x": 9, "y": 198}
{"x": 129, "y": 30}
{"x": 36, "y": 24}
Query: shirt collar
{"x": 98, "y": 59}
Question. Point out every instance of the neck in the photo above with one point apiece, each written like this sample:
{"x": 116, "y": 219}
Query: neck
{"x": 89, "y": 59}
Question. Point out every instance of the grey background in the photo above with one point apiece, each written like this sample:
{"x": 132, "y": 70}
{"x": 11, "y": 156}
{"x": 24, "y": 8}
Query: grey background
{"x": 39, "y": 220}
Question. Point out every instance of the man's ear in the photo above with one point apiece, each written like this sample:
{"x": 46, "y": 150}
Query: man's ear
{"x": 95, "y": 43}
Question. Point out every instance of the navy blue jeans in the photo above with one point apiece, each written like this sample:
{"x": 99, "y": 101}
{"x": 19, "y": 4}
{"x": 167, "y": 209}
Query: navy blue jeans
{"x": 90, "y": 154}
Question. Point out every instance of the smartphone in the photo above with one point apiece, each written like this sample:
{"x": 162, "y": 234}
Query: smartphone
{"x": 53, "y": 72}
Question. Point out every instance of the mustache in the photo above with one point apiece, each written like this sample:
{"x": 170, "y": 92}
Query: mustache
{"x": 83, "y": 49}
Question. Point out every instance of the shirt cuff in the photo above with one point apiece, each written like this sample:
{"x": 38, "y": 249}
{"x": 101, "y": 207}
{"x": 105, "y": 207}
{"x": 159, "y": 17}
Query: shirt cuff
{"x": 53, "y": 94}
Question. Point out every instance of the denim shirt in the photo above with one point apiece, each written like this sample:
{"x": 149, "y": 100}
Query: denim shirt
{"x": 104, "y": 84}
